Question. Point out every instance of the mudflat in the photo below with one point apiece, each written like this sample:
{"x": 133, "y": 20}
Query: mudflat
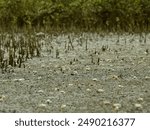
{"x": 86, "y": 72}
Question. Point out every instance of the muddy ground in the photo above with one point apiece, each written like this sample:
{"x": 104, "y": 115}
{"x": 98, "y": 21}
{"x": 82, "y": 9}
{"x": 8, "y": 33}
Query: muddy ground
{"x": 81, "y": 73}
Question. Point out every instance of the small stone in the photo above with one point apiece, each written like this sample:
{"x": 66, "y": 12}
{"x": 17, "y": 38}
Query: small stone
{"x": 100, "y": 90}
{"x": 19, "y": 80}
{"x": 134, "y": 77}
{"x": 147, "y": 77}
{"x": 140, "y": 99}
{"x": 56, "y": 66}
{"x": 42, "y": 106}
{"x": 108, "y": 60}
{"x": 48, "y": 101}
{"x": 115, "y": 77}
{"x": 138, "y": 106}
{"x": 34, "y": 72}
{"x": 146, "y": 53}
{"x": 42, "y": 66}
{"x": 70, "y": 85}
{"x": 57, "y": 72}
{"x": 63, "y": 92}
{"x": 63, "y": 68}
{"x": 40, "y": 91}
{"x": 95, "y": 79}
{"x": 87, "y": 68}
{"x": 75, "y": 72}
{"x": 106, "y": 102}
{"x": 117, "y": 106}
{"x": 2, "y": 98}
{"x": 63, "y": 106}
{"x": 88, "y": 90}
{"x": 56, "y": 89}
{"x": 39, "y": 78}
{"x": 120, "y": 86}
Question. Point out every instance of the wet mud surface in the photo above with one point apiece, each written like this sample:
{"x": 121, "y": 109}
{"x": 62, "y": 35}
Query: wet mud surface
{"x": 81, "y": 73}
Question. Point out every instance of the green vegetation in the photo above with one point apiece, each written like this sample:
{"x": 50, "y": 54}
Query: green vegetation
{"x": 15, "y": 49}
{"x": 111, "y": 15}
{"x": 31, "y": 16}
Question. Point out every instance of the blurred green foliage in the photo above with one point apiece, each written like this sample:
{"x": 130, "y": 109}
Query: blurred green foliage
{"x": 112, "y": 15}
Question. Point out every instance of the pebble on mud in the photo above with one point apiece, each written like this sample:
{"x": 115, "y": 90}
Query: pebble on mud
{"x": 74, "y": 73}
{"x": 2, "y": 97}
{"x": 138, "y": 106}
{"x": 140, "y": 99}
{"x": 100, "y": 90}
{"x": 40, "y": 91}
{"x": 48, "y": 101}
{"x": 87, "y": 68}
{"x": 147, "y": 77}
{"x": 19, "y": 80}
{"x": 134, "y": 77}
{"x": 115, "y": 77}
{"x": 106, "y": 102}
{"x": 63, "y": 106}
{"x": 120, "y": 86}
{"x": 88, "y": 90}
{"x": 34, "y": 72}
{"x": 70, "y": 85}
{"x": 63, "y": 68}
{"x": 43, "y": 66}
{"x": 42, "y": 106}
{"x": 39, "y": 78}
{"x": 95, "y": 79}
{"x": 56, "y": 89}
{"x": 117, "y": 106}
{"x": 63, "y": 92}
